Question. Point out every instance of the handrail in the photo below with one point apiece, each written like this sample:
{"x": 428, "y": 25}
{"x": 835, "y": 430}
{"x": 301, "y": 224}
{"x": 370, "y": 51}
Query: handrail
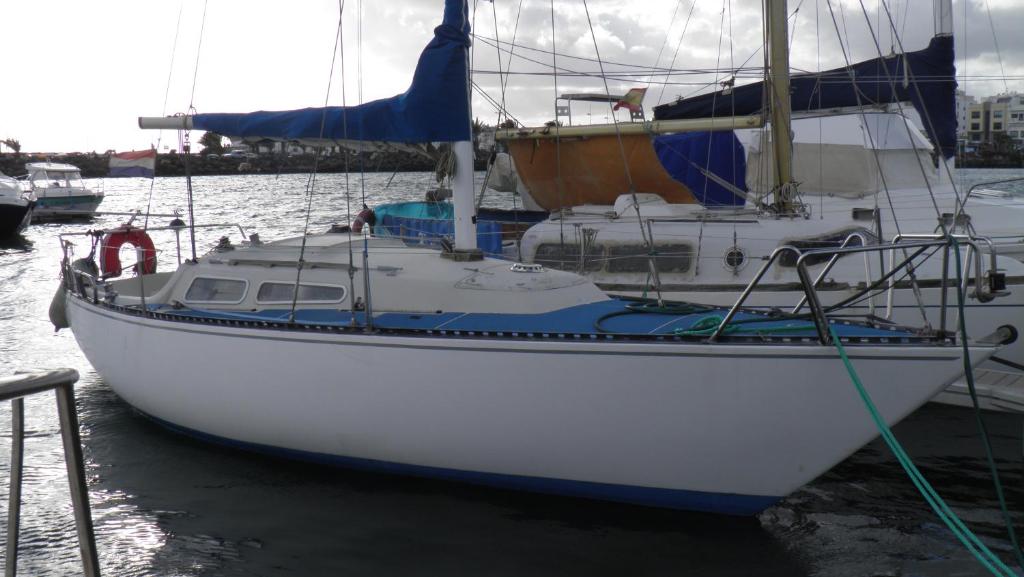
{"x": 831, "y": 262}
{"x": 14, "y": 389}
{"x": 809, "y": 285}
{"x": 241, "y": 230}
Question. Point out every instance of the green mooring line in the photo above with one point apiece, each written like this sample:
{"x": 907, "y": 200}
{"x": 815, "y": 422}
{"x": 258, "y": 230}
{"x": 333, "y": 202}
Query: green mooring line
{"x": 966, "y": 537}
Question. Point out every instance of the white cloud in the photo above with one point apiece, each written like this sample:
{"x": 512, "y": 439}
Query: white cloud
{"x": 88, "y": 69}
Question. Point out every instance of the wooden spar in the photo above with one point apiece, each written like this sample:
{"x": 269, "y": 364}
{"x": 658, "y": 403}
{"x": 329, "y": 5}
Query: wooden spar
{"x": 651, "y": 127}
{"x": 778, "y": 76}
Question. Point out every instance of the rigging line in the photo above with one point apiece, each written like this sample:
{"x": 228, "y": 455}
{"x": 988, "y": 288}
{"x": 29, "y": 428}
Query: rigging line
{"x": 494, "y": 103}
{"x": 899, "y": 106}
{"x": 627, "y": 69}
{"x": 995, "y": 40}
{"x": 187, "y": 147}
{"x": 558, "y": 141}
{"x": 501, "y": 81}
{"x": 714, "y": 95}
{"x": 359, "y": 96}
{"x": 821, "y": 120}
{"x": 648, "y": 242}
{"x": 163, "y": 111}
{"x": 492, "y": 41}
{"x": 472, "y": 45}
{"x": 874, "y": 150}
{"x": 856, "y": 93}
{"x": 199, "y": 50}
{"x": 668, "y": 31}
{"x": 508, "y": 65}
{"x": 675, "y": 53}
{"x": 926, "y": 116}
{"x": 311, "y": 182}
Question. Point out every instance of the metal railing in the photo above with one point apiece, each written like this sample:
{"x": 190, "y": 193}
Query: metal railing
{"x": 15, "y": 389}
{"x": 917, "y": 246}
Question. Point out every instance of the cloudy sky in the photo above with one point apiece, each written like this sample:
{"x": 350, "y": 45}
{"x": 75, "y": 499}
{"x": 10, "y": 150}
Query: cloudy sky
{"x": 79, "y": 72}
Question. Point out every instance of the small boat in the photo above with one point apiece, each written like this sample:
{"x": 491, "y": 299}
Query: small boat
{"x": 16, "y": 206}
{"x": 370, "y": 353}
{"x": 60, "y": 191}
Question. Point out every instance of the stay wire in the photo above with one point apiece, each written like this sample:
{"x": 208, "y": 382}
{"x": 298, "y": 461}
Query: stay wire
{"x": 648, "y": 242}
{"x": 926, "y": 116}
{"x": 558, "y": 143}
{"x": 311, "y": 183}
{"x": 906, "y": 122}
{"x": 188, "y": 147}
{"x": 163, "y": 112}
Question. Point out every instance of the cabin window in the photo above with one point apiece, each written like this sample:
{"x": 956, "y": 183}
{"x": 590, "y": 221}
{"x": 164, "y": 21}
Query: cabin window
{"x": 829, "y": 240}
{"x": 220, "y": 290}
{"x": 633, "y": 258}
{"x": 280, "y": 292}
{"x": 74, "y": 179}
{"x": 567, "y": 256}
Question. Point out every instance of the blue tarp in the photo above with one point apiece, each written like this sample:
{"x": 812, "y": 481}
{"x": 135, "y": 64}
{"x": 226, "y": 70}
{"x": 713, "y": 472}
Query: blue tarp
{"x": 425, "y": 223}
{"x": 434, "y": 109}
{"x": 926, "y": 78}
{"x": 719, "y": 153}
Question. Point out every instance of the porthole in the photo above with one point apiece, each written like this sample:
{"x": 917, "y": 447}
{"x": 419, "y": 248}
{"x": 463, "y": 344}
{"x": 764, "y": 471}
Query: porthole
{"x": 735, "y": 259}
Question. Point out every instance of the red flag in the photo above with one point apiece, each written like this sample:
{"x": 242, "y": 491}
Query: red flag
{"x": 633, "y": 100}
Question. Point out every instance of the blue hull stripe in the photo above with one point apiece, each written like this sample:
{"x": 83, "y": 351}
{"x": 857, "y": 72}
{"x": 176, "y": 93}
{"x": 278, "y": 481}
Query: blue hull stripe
{"x": 724, "y": 503}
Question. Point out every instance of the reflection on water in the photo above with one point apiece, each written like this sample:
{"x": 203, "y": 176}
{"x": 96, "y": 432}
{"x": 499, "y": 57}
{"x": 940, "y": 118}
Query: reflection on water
{"x": 167, "y": 505}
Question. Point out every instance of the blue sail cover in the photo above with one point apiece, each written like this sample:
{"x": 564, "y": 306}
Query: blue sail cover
{"x": 684, "y": 156}
{"x": 878, "y": 81}
{"x": 434, "y": 109}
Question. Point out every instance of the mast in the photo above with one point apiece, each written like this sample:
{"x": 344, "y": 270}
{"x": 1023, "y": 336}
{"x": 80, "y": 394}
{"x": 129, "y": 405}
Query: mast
{"x": 778, "y": 78}
{"x": 943, "y": 11}
{"x": 462, "y": 179}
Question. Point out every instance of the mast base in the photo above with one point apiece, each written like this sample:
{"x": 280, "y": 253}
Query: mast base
{"x": 463, "y": 255}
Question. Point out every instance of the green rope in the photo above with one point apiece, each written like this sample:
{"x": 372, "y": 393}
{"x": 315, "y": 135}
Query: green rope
{"x": 969, "y": 540}
{"x": 982, "y": 429}
{"x": 709, "y": 324}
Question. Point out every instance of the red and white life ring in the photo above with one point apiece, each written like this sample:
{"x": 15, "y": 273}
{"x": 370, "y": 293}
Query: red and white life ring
{"x": 365, "y": 216}
{"x": 110, "y": 248}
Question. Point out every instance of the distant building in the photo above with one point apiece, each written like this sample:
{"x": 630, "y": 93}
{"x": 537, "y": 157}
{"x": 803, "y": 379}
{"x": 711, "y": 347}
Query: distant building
{"x": 963, "y": 102}
{"x": 1003, "y": 113}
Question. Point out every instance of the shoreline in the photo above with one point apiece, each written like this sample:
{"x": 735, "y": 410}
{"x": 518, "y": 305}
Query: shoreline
{"x": 96, "y": 165}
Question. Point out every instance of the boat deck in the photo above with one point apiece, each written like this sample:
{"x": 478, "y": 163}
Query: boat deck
{"x": 607, "y": 319}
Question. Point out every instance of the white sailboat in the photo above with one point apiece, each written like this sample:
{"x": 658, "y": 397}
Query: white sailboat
{"x": 866, "y": 170}
{"x": 370, "y": 353}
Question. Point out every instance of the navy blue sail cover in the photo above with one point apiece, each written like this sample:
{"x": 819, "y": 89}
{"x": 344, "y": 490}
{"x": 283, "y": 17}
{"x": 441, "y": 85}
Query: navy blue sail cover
{"x": 434, "y": 109}
{"x": 926, "y": 78}
{"x": 687, "y": 156}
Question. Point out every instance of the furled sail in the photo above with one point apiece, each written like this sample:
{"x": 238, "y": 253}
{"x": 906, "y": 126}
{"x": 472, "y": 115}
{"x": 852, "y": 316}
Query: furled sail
{"x": 434, "y": 109}
{"x": 926, "y": 78}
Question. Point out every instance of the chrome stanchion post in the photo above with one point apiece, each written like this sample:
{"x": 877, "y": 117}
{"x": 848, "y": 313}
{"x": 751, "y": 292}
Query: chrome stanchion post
{"x": 14, "y": 496}
{"x": 76, "y": 478}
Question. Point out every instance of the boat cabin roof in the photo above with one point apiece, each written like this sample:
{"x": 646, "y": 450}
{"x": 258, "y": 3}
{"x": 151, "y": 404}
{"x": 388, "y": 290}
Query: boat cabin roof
{"x": 32, "y": 167}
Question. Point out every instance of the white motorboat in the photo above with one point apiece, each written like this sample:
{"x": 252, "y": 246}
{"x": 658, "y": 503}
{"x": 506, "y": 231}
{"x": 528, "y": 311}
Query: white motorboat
{"x": 60, "y": 191}
{"x": 371, "y": 353}
{"x": 16, "y": 206}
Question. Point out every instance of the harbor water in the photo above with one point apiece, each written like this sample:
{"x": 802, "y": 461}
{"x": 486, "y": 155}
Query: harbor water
{"x": 167, "y": 505}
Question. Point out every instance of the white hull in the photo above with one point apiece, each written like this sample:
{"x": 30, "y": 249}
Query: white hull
{"x": 692, "y": 426}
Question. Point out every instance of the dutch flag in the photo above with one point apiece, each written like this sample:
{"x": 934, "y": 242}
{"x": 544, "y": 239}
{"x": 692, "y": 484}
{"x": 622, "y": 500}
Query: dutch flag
{"x": 141, "y": 163}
